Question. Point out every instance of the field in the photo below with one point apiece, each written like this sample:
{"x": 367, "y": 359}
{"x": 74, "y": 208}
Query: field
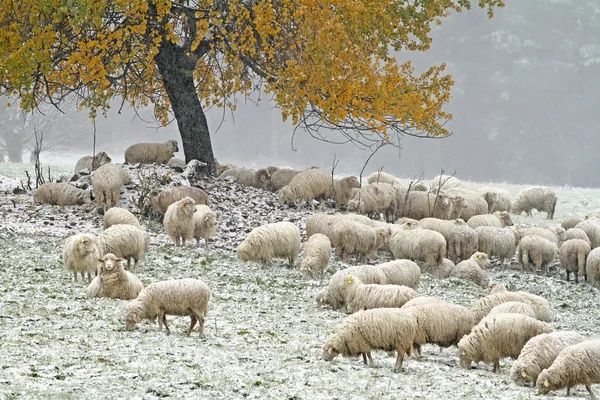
{"x": 263, "y": 333}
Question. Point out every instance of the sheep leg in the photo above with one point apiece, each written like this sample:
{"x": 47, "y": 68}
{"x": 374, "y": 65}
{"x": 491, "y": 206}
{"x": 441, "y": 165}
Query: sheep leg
{"x": 192, "y": 324}
{"x": 417, "y": 348}
{"x": 89, "y": 276}
{"x": 75, "y": 276}
{"x": 164, "y": 319}
{"x": 370, "y": 359}
{"x": 399, "y": 360}
{"x": 589, "y": 389}
{"x": 364, "y": 357}
{"x": 206, "y": 242}
{"x": 576, "y": 276}
{"x": 568, "y": 274}
{"x": 497, "y": 366}
{"x": 200, "y": 318}
{"x": 160, "y": 321}
{"x": 183, "y": 242}
{"x": 568, "y": 390}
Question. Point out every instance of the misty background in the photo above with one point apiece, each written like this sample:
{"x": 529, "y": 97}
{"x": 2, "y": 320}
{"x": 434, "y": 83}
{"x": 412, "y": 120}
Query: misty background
{"x": 524, "y": 102}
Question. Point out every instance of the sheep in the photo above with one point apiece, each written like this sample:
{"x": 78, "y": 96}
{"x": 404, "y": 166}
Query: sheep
{"x": 539, "y": 353}
{"x": 541, "y": 198}
{"x": 497, "y": 242}
{"x": 173, "y": 297}
{"x": 349, "y": 237}
{"x": 179, "y": 221}
{"x": 592, "y": 229}
{"x": 281, "y": 178}
{"x": 458, "y": 206}
{"x": 513, "y": 307}
{"x": 383, "y": 177}
{"x": 498, "y": 218}
{"x": 374, "y": 198}
{"x": 177, "y": 163}
{"x": 124, "y": 241}
{"x": 276, "y": 240}
{"x": 80, "y": 254}
{"x": 92, "y": 163}
{"x": 540, "y": 305}
{"x": 555, "y": 234}
{"x": 321, "y": 223}
{"x": 360, "y": 296}
{"x": 113, "y": 281}
{"x": 116, "y": 215}
{"x": 440, "y": 323}
{"x": 248, "y": 177}
{"x": 445, "y": 182}
{"x": 334, "y": 293}
{"x": 499, "y": 336}
{"x": 401, "y": 272}
{"x": 593, "y": 214}
{"x": 537, "y": 252}
{"x": 419, "y": 205}
{"x": 577, "y": 233}
{"x": 107, "y": 182}
{"x": 467, "y": 204}
{"x": 484, "y": 305}
{"x": 471, "y": 269}
{"x": 423, "y": 301}
{"x": 205, "y": 224}
{"x": 497, "y": 199}
{"x": 317, "y": 253}
{"x": 572, "y": 256}
{"x": 571, "y": 222}
{"x": 441, "y": 271}
{"x": 380, "y": 328}
{"x": 148, "y": 153}
{"x": 343, "y": 189}
{"x": 578, "y": 364}
{"x": 415, "y": 243}
{"x": 462, "y": 241}
{"x": 223, "y": 167}
{"x": 307, "y": 185}
{"x": 60, "y": 193}
{"x": 592, "y": 267}
{"x": 443, "y": 226}
{"x": 160, "y": 202}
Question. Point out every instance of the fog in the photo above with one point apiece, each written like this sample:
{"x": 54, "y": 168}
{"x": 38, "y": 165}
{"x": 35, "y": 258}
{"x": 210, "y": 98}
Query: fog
{"x": 524, "y": 103}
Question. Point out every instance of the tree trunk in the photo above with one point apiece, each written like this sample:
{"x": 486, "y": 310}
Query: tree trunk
{"x": 176, "y": 69}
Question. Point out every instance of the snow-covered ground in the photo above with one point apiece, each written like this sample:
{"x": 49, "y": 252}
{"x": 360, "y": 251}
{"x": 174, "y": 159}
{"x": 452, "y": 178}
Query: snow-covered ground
{"x": 263, "y": 333}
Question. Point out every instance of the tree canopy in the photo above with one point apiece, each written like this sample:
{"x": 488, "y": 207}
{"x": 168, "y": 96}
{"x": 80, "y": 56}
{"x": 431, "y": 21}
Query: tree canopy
{"x": 327, "y": 64}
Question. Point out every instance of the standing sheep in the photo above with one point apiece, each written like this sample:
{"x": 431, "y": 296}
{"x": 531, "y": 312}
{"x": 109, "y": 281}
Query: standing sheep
{"x": 321, "y": 223}
{"x": 592, "y": 228}
{"x": 205, "y": 224}
{"x": 577, "y": 233}
{"x": 113, "y": 281}
{"x": 471, "y": 269}
{"x": 349, "y": 237}
{"x": 485, "y": 304}
{"x": 537, "y": 252}
{"x": 334, "y": 293}
{"x": 498, "y": 218}
{"x": 360, "y": 296}
{"x": 60, "y": 193}
{"x": 381, "y": 328}
{"x": 124, "y": 241}
{"x": 343, "y": 189}
{"x": 92, "y": 163}
{"x": 443, "y": 226}
{"x": 116, "y": 215}
{"x": 80, "y": 254}
{"x": 419, "y": 205}
{"x": 592, "y": 267}
{"x": 497, "y": 199}
{"x": 281, "y": 178}
{"x": 401, "y": 272}
{"x": 541, "y": 198}
{"x": 179, "y": 221}
{"x": 497, "y": 242}
{"x": 107, "y": 182}
{"x": 445, "y": 182}
{"x": 277, "y": 240}
{"x": 571, "y": 222}
{"x": 555, "y": 234}
{"x": 317, "y": 253}
{"x": 540, "y": 305}
{"x": 168, "y": 196}
{"x": 462, "y": 242}
{"x": 383, "y": 177}
{"x": 572, "y": 256}
{"x": 310, "y": 184}
{"x": 512, "y": 307}
{"x": 415, "y": 243}
{"x": 499, "y": 336}
{"x": 374, "y": 198}
{"x": 468, "y": 204}
{"x": 175, "y": 297}
{"x": 148, "y": 153}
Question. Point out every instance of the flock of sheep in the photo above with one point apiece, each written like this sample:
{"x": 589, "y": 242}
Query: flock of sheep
{"x": 442, "y": 229}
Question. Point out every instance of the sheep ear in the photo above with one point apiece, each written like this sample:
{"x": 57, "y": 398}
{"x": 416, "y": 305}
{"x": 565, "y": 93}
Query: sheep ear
{"x": 331, "y": 351}
{"x": 350, "y": 279}
{"x": 322, "y": 299}
{"x": 119, "y": 259}
{"x": 547, "y": 383}
{"x": 524, "y": 374}
{"x": 101, "y": 259}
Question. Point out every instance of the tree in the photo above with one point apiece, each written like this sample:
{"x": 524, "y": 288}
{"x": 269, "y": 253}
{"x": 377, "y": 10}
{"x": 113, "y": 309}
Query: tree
{"x": 326, "y": 64}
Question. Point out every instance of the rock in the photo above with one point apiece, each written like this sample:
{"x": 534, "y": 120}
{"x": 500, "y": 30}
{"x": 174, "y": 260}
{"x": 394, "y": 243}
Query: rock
{"x": 19, "y": 190}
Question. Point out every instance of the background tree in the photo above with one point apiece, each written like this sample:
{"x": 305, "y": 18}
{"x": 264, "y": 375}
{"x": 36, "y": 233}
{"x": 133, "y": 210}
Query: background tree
{"x": 326, "y": 64}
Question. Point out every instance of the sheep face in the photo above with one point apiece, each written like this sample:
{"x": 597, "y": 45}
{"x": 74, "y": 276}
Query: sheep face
{"x": 329, "y": 353}
{"x": 110, "y": 263}
{"x": 133, "y": 314}
{"x": 480, "y": 258}
{"x": 244, "y": 251}
{"x": 496, "y": 287}
{"x": 84, "y": 198}
{"x": 286, "y": 195}
{"x": 519, "y": 376}
{"x": 465, "y": 360}
{"x": 262, "y": 177}
{"x": 561, "y": 233}
{"x": 187, "y": 206}
{"x": 173, "y": 144}
{"x": 544, "y": 383}
{"x": 410, "y": 225}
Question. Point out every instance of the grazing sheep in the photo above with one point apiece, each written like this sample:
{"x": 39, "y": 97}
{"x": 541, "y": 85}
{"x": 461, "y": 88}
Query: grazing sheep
{"x": 281, "y": 178}
{"x": 205, "y": 224}
{"x": 107, "y": 182}
{"x": 80, "y": 254}
{"x": 513, "y": 307}
{"x": 471, "y": 269}
{"x": 383, "y": 177}
{"x": 321, "y": 223}
{"x": 497, "y": 242}
{"x": 419, "y": 205}
{"x": 462, "y": 242}
{"x": 572, "y": 256}
{"x": 317, "y": 253}
{"x": 578, "y": 364}
{"x": 442, "y": 271}
{"x": 349, "y": 237}
{"x": 124, "y": 241}
{"x": 541, "y": 198}
{"x": 592, "y": 267}
{"x": 374, "y": 198}
{"x": 443, "y": 226}
{"x": 445, "y": 182}
{"x": 540, "y": 305}
{"x": 277, "y": 240}
{"x": 571, "y": 222}
{"x": 310, "y": 184}
{"x": 467, "y": 204}
{"x": 401, "y": 272}
{"x": 361, "y": 296}
{"x": 173, "y": 297}
{"x": 334, "y": 293}
{"x": 577, "y": 233}
{"x": 61, "y": 194}
{"x": 176, "y": 162}
{"x": 423, "y": 301}
{"x": 116, "y": 215}
{"x": 484, "y": 305}
{"x": 113, "y": 281}
{"x": 497, "y": 199}
{"x": 499, "y": 336}
{"x": 415, "y": 243}
{"x": 148, "y": 153}
{"x": 537, "y": 252}
{"x": 498, "y": 218}
{"x": 592, "y": 228}
{"x": 179, "y": 221}
{"x": 92, "y": 163}
{"x": 168, "y": 196}
{"x": 343, "y": 189}
{"x": 380, "y": 328}
{"x": 555, "y": 234}
{"x": 539, "y": 353}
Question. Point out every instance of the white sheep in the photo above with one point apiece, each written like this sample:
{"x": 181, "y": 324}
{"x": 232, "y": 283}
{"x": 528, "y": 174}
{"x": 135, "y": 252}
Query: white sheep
{"x": 310, "y": 184}
{"x": 380, "y": 328}
{"x": 334, "y": 294}
{"x": 498, "y": 218}
{"x": 374, "y": 198}
{"x": 542, "y": 199}
{"x": 571, "y": 222}
{"x": 148, "y": 153}
{"x": 281, "y": 178}
{"x": 471, "y": 269}
{"x": 578, "y": 364}
{"x": 116, "y": 215}
{"x": 497, "y": 199}
{"x": 540, "y": 305}
{"x": 125, "y": 241}
{"x": 497, "y": 242}
{"x": 361, "y": 296}
{"x": 539, "y": 353}
{"x": 572, "y": 255}
{"x": 179, "y": 221}
{"x": 443, "y": 226}
{"x": 592, "y": 267}
{"x": 577, "y": 233}
{"x": 60, "y": 193}
{"x": 383, "y": 177}
{"x": 512, "y": 307}
{"x": 177, "y": 163}
{"x": 467, "y": 204}
{"x": 174, "y": 297}
{"x": 415, "y": 243}
{"x": 205, "y": 224}
{"x": 423, "y": 301}
{"x": 276, "y": 240}
{"x": 555, "y": 234}
{"x": 248, "y": 177}
{"x": 499, "y": 336}
{"x": 401, "y": 272}
{"x": 160, "y": 202}
{"x": 536, "y": 252}
{"x": 92, "y": 163}
{"x": 445, "y": 182}
{"x": 441, "y": 271}
{"x": 107, "y": 182}
{"x": 81, "y": 253}
{"x": 484, "y": 305}
{"x": 321, "y": 223}
{"x": 419, "y": 205}
{"x": 592, "y": 229}
{"x": 343, "y": 189}
{"x": 113, "y": 281}
{"x": 317, "y": 253}
{"x": 462, "y": 241}
{"x": 349, "y": 237}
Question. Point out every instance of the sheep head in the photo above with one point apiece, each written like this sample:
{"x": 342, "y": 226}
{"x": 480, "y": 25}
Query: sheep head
{"x": 187, "y": 206}
{"x": 173, "y": 145}
{"x": 110, "y": 263}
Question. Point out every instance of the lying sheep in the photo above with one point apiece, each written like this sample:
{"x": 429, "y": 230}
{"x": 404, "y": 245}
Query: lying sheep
{"x": 536, "y": 252}
{"x": 592, "y": 229}
{"x": 107, "y": 182}
{"x": 383, "y": 177}
{"x": 555, "y": 234}
{"x": 276, "y": 240}
{"x": 571, "y": 222}
{"x": 497, "y": 199}
{"x": 317, "y": 253}
{"x": 540, "y": 198}
{"x": 592, "y": 267}
{"x": 539, "y": 353}
{"x": 179, "y": 221}
{"x": 81, "y": 253}
{"x": 248, "y": 177}
{"x": 310, "y": 184}
{"x": 116, "y": 215}
{"x": 381, "y": 328}
{"x": 334, "y": 294}
{"x": 281, "y": 178}
{"x": 498, "y": 218}
{"x": 497, "y": 242}
{"x": 401, "y": 272}
{"x": 374, "y": 198}
{"x": 423, "y": 301}
{"x": 462, "y": 242}
{"x": 173, "y": 297}
{"x": 205, "y": 224}
{"x": 577, "y": 233}
{"x": 415, "y": 243}
{"x": 442, "y": 271}
{"x": 223, "y": 167}
{"x": 499, "y": 336}
{"x": 113, "y": 281}
{"x": 540, "y": 305}
{"x": 124, "y": 241}
{"x": 349, "y": 237}
{"x": 61, "y": 194}
{"x": 176, "y": 163}
{"x": 512, "y": 307}
{"x": 168, "y": 196}
{"x": 360, "y": 296}
{"x": 419, "y": 205}
{"x": 92, "y": 163}
{"x": 578, "y": 364}
{"x": 148, "y": 153}
{"x": 343, "y": 189}
{"x": 572, "y": 256}
{"x": 471, "y": 269}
